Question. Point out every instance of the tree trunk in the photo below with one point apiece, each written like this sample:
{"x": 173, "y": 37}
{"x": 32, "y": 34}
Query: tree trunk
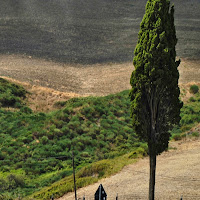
{"x": 152, "y": 180}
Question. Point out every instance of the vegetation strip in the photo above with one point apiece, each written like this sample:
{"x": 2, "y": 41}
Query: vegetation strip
{"x": 35, "y": 148}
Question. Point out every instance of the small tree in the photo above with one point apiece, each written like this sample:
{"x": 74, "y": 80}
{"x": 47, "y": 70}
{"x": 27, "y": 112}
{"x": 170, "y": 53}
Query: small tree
{"x": 155, "y": 104}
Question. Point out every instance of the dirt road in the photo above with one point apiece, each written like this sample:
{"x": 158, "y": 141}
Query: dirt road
{"x": 178, "y": 174}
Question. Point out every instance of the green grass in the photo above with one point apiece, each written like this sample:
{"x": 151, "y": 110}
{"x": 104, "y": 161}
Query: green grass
{"x": 36, "y": 147}
{"x": 11, "y": 95}
{"x": 86, "y": 175}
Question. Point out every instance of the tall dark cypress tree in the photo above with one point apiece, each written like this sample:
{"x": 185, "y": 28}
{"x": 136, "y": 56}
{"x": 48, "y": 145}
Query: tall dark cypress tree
{"x": 155, "y": 104}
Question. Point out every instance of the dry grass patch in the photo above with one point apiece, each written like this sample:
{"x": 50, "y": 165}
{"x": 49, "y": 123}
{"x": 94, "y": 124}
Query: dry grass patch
{"x": 185, "y": 90}
{"x": 42, "y": 98}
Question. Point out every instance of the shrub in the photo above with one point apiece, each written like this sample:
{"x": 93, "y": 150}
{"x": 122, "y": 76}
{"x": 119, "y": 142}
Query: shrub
{"x": 11, "y": 94}
{"x": 85, "y": 154}
{"x": 94, "y": 168}
{"x": 44, "y": 140}
{"x": 192, "y": 99}
{"x": 195, "y": 134}
{"x": 177, "y": 137}
{"x": 15, "y": 181}
{"x": 194, "y": 89}
{"x": 139, "y": 152}
{"x": 3, "y": 185}
{"x": 26, "y": 109}
{"x": 60, "y": 104}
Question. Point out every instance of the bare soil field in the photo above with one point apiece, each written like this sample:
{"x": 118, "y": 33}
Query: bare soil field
{"x": 178, "y": 175}
{"x": 49, "y": 82}
{"x": 88, "y": 31}
{"x": 96, "y": 79}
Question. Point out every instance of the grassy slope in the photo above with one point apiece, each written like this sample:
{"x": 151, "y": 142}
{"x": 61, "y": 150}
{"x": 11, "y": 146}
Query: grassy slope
{"x": 36, "y": 147}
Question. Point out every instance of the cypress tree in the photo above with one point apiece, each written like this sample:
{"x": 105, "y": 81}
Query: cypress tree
{"x": 155, "y": 104}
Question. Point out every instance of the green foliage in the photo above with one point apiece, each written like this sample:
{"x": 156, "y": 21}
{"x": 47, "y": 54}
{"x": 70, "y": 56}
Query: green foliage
{"x": 39, "y": 143}
{"x": 195, "y": 134}
{"x": 11, "y": 95}
{"x": 190, "y": 113}
{"x": 35, "y": 148}
{"x": 6, "y": 197}
{"x": 176, "y": 137}
{"x": 85, "y": 176}
{"x": 139, "y": 152}
{"x": 155, "y": 105}
{"x": 192, "y": 99}
{"x": 11, "y": 182}
{"x": 194, "y": 89}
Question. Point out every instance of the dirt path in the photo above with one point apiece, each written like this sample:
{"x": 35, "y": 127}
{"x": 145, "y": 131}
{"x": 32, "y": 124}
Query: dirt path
{"x": 98, "y": 79}
{"x": 178, "y": 174}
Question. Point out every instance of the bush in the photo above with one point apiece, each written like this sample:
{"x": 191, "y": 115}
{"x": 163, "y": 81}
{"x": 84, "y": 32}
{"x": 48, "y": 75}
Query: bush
{"x": 195, "y": 134}
{"x": 194, "y": 89}
{"x": 177, "y": 137}
{"x": 11, "y": 94}
{"x": 60, "y": 104}
{"x": 44, "y": 140}
{"x": 3, "y": 185}
{"x": 139, "y": 152}
{"x": 15, "y": 181}
{"x": 26, "y": 110}
{"x": 192, "y": 99}
{"x": 94, "y": 169}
